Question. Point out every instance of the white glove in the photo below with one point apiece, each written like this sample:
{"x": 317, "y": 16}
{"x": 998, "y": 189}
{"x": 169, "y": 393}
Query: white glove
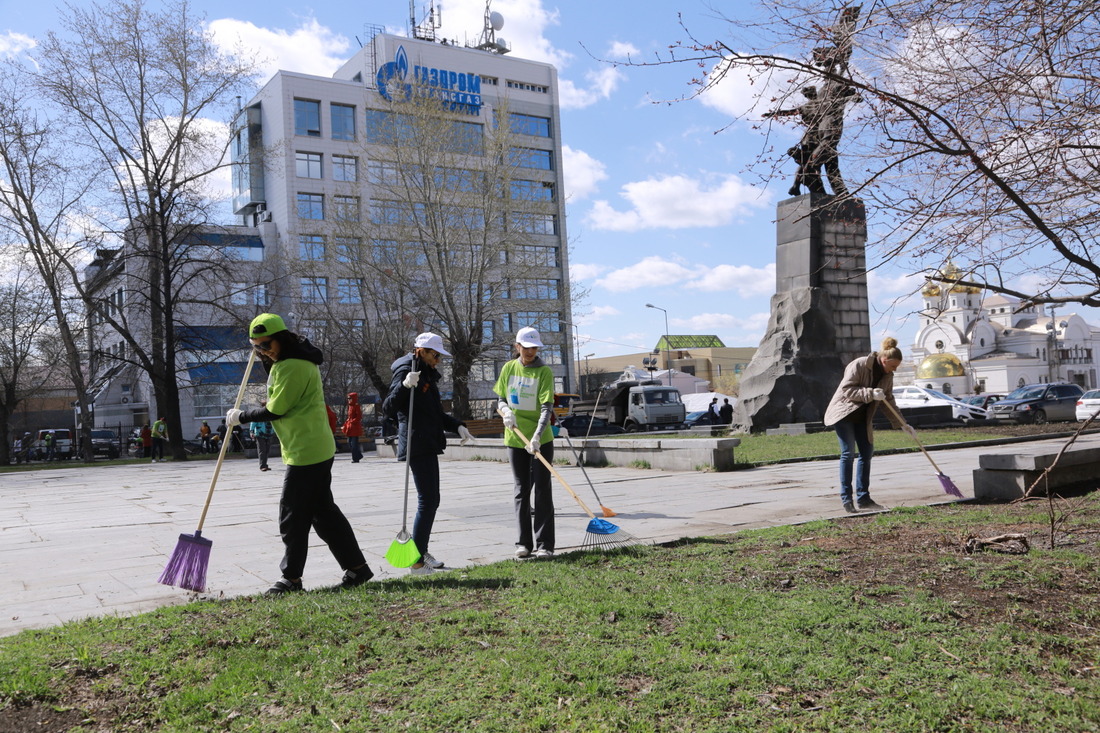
{"x": 910, "y": 430}
{"x": 533, "y": 446}
{"x": 233, "y": 417}
{"x": 507, "y": 415}
{"x": 878, "y": 395}
{"x": 562, "y": 432}
{"x": 411, "y": 379}
{"x": 465, "y": 434}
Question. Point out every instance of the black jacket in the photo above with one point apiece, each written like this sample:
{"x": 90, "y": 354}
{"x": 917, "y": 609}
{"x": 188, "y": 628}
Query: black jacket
{"x": 429, "y": 420}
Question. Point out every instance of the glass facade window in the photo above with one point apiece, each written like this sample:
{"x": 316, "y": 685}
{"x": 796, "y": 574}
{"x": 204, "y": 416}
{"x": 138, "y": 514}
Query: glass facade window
{"x": 311, "y": 247}
{"x": 381, "y": 173}
{"x": 249, "y": 294}
{"x": 346, "y": 208}
{"x": 535, "y": 289}
{"x": 535, "y": 256}
{"x": 532, "y": 190}
{"x": 307, "y": 118}
{"x": 314, "y": 289}
{"x": 311, "y": 206}
{"x": 345, "y": 168}
{"x": 343, "y": 121}
{"x": 346, "y": 249}
{"x": 535, "y": 223}
{"x": 539, "y": 159}
{"x": 349, "y": 290}
{"x": 307, "y": 165}
{"x": 522, "y": 124}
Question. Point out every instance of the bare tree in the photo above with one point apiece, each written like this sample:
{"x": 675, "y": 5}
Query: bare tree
{"x": 137, "y": 87}
{"x": 457, "y": 236}
{"x": 974, "y": 139}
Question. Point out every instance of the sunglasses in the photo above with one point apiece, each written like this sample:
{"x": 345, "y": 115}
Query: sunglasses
{"x": 263, "y": 345}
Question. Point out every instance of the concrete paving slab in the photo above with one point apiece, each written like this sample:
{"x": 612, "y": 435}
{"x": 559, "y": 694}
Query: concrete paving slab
{"x": 79, "y": 542}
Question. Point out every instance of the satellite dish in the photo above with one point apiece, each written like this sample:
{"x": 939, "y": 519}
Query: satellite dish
{"x": 496, "y": 20}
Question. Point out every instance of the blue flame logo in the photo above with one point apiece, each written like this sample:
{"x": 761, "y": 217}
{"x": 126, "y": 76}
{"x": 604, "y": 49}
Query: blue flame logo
{"x": 401, "y": 63}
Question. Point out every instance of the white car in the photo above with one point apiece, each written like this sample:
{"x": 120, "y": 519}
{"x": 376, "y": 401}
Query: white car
{"x": 1088, "y": 405}
{"x": 924, "y": 397}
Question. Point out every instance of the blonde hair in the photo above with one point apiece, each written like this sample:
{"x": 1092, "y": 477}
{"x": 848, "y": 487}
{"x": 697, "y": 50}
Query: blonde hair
{"x": 890, "y": 349}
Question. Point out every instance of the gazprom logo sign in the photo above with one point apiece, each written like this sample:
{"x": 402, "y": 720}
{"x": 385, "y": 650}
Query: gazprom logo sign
{"x": 458, "y": 90}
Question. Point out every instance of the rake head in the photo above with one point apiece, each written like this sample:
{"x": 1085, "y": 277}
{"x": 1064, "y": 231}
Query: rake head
{"x": 603, "y": 535}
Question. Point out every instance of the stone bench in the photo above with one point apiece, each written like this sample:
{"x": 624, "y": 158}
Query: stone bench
{"x": 1007, "y": 476}
{"x": 666, "y": 454}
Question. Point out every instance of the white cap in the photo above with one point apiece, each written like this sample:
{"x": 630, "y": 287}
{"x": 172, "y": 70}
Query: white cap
{"x": 528, "y": 337}
{"x": 431, "y": 341}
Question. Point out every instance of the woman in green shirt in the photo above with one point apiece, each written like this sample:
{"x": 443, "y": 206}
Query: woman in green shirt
{"x": 296, "y": 409}
{"x": 526, "y": 391}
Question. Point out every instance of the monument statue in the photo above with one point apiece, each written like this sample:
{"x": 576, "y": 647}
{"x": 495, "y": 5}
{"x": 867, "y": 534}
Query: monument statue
{"x": 823, "y": 113}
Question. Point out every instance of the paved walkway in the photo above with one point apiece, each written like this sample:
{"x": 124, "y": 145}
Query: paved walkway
{"x": 80, "y": 542}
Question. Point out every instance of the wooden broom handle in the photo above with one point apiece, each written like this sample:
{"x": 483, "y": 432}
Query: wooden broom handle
{"x": 228, "y": 438}
{"x": 541, "y": 457}
{"x": 901, "y": 419}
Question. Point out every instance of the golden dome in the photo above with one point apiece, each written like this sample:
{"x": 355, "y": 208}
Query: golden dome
{"x": 952, "y": 272}
{"x": 938, "y": 366}
{"x": 930, "y": 290}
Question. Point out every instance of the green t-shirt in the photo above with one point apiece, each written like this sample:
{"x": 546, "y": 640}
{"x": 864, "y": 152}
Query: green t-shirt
{"x": 160, "y": 429}
{"x": 294, "y": 391}
{"x": 526, "y": 390}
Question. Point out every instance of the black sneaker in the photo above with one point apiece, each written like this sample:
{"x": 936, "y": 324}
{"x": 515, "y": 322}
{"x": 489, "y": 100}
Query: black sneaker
{"x": 871, "y": 506}
{"x": 356, "y": 577}
{"x": 849, "y": 507}
{"x": 284, "y": 586}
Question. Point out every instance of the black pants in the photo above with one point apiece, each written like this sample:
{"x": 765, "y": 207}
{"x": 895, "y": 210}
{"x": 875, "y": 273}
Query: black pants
{"x": 535, "y": 533}
{"x": 307, "y": 502}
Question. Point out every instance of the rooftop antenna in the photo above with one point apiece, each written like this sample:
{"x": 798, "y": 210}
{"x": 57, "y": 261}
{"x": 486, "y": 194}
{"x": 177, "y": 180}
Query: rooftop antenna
{"x": 494, "y": 21}
{"x": 424, "y": 30}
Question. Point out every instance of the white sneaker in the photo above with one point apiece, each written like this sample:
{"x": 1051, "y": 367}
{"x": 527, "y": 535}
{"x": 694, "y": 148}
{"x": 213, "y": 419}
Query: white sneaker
{"x": 422, "y": 570}
{"x": 544, "y": 554}
{"x": 154, "y": 460}
{"x": 522, "y": 551}
{"x": 431, "y": 562}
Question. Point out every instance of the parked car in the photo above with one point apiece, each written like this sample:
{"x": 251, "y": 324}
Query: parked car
{"x": 577, "y": 425}
{"x": 105, "y": 443}
{"x": 63, "y": 443}
{"x": 984, "y": 401}
{"x": 1039, "y": 403}
{"x": 1088, "y": 404}
{"x": 699, "y": 418}
{"x": 924, "y": 397}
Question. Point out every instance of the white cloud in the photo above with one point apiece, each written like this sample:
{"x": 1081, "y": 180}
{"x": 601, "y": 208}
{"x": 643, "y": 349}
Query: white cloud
{"x": 601, "y": 83}
{"x": 650, "y": 272}
{"x": 525, "y": 23}
{"x": 583, "y": 173}
{"x": 603, "y": 311}
{"x": 677, "y": 202}
{"x": 747, "y": 281}
{"x": 310, "y": 49}
{"x": 13, "y": 44}
{"x": 735, "y": 91}
{"x": 622, "y": 50}
{"x": 585, "y": 271}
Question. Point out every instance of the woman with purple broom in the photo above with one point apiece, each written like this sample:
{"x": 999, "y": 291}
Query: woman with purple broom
{"x": 867, "y": 381}
{"x": 296, "y": 409}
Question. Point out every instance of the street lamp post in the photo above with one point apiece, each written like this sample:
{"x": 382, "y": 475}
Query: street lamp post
{"x": 587, "y": 373}
{"x": 668, "y": 354}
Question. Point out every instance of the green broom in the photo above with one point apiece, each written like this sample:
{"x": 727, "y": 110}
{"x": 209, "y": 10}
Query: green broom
{"x": 600, "y": 534}
{"x": 403, "y": 552}
{"x": 187, "y": 566}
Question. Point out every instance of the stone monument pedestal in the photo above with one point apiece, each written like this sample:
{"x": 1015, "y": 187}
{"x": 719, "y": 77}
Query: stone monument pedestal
{"x": 819, "y": 313}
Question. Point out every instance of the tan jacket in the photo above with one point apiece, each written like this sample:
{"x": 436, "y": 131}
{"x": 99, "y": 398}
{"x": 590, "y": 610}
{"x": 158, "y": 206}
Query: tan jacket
{"x": 855, "y": 390}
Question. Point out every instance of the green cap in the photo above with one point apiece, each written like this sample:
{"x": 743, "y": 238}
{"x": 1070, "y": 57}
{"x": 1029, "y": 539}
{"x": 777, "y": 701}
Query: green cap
{"x": 266, "y": 324}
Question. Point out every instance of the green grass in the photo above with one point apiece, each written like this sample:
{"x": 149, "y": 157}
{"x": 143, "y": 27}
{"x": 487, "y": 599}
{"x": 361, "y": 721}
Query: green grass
{"x": 876, "y": 624}
{"x": 760, "y": 448}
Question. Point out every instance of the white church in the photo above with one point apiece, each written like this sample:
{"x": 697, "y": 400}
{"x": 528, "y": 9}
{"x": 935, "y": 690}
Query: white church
{"x": 970, "y": 345}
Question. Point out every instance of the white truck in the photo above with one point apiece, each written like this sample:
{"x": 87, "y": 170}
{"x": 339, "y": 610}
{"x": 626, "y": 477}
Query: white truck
{"x": 636, "y": 405}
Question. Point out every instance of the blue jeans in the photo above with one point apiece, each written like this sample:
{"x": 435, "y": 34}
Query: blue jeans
{"x": 353, "y": 446}
{"x": 854, "y": 441}
{"x": 425, "y": 473}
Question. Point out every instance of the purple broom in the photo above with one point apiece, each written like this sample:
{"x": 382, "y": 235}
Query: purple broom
{"x": 948, "y": 485}
{"x": 187, "y": 567}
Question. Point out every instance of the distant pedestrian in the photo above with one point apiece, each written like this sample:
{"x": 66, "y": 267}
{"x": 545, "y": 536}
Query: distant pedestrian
{"x": 261, "y": 433}
{"x": 17, "y": 450}
{"x": 28, "y": 447}
{"x": 421, "y": 443}
{"x": 296, "y": 409}
{"x": 160, "y": 438}
{"x": 715, "y": 418}
{"x": 526, "y": 390}
{"x": 353, "y": 426}
{"x": 146, "y": 441}
{"x": 51, "y": 445}
{"x": 867, "y": 381}
{"x": 725, "y": 413}
{"x": 221, "y": 432}
{"x": 205, "y": 434}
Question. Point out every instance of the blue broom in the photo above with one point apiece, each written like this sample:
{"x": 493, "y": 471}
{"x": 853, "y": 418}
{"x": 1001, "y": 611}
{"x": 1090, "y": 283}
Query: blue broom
{"x": 600, "y": 534}
{"x": 187, "y": 567}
